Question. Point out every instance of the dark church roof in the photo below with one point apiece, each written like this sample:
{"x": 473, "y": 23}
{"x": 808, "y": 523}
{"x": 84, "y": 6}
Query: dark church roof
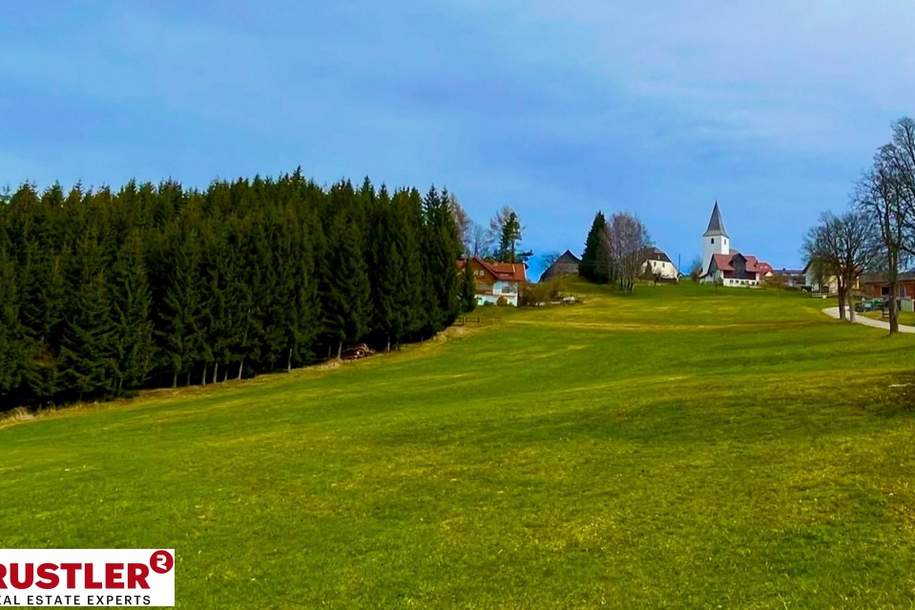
{"x": 715, "y": 224}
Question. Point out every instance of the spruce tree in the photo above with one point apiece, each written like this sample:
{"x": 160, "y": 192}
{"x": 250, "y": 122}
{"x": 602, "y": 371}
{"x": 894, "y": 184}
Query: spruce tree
{"x": 595, "y": 259}
{"x": 443, "y": 247}
{"x": 12, "y": 337}
{"x": 230, "y": 307}
{"x": 270, "y": 308}
{"x": 388, "y": 266}
{"x": 133, "y": 340}
{"x": 345, "y": 283}
{"x": 509, "y": 238}
{"x": 87, "y": 352}
{"x": 411, "y": 292}
{"x": 181, "y": 312}
{"x": 219, "y": 270}
{"x": 296, "y": 319}
{"x": 468, "y": 288}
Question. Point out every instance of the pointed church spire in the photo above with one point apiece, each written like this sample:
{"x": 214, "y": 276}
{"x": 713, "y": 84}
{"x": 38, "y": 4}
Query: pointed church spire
{"x": 715, "y": 224}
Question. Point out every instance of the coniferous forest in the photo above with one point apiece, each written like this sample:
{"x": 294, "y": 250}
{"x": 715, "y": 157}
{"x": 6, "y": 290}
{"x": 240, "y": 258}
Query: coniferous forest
{"x": 103, "y": 292}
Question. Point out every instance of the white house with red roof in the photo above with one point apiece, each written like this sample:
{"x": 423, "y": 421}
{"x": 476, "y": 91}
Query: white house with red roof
{"x": 723, "y": 264}
{"x": 496, "y": 283}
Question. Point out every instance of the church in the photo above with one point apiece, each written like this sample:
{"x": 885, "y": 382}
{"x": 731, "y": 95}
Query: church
{"x": 724, "y": 265}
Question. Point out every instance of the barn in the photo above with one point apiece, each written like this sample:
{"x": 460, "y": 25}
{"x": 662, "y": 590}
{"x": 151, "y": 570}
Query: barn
{"x": 566, "y": 264}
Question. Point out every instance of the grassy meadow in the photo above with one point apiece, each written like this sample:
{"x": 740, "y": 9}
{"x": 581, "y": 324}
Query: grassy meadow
{"x": 682, "y": 447}
{"x": 905, "y": 317}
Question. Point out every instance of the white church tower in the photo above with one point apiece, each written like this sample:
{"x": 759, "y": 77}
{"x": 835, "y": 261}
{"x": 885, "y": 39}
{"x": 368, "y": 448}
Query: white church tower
{"x": 715, "y": 240}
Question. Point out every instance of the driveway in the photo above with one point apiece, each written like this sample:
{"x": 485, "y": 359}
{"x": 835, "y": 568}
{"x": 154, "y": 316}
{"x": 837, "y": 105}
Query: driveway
{"x": 834, "y": 312}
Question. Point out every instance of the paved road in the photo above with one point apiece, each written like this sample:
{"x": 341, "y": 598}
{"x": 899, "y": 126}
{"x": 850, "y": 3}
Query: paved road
{"x": 834, "y": 312}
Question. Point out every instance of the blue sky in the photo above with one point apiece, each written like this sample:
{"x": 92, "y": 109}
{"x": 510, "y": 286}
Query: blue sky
{"x": 557, "y": 109}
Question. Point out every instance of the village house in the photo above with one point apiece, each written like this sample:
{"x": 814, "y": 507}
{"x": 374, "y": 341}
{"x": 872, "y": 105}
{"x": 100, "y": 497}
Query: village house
{"x": 496, "y": 283}
{"x": 724, "y": 265}
{"x": 828, "y": 284}
{"x": 658, "y": 265}
{"x": 791, "y": 278}
{"x": 876, "y": 285}
{"x": 565, "y": 265}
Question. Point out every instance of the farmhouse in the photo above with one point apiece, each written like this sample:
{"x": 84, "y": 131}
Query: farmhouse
{"x": 658, "y": 265}
{"x": 565, "y": 265}
{"x": 496, "y": 283}
{"x": 724, "y": 265}
{"x": 824, "y": 284}
{"x": 876, "y": 285}
{"x": 792, "y": 278}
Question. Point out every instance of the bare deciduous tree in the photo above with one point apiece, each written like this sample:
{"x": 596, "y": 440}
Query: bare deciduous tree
{"x": 902, "y": 157}
{"x": 695, "y": 269}
{"x": 886, "y": 195}
{"x": 844, "y": 245}
{"x": 880, "y": 194}
{"x": 505, "y": 230}
{"x": 464, "y": 223}
{"x": 627, "y": 239}
{"x": 497, "y": 222}
{"x": 481, "y": 241}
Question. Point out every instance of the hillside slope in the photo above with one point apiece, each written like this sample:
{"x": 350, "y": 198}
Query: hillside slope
{"x": 681, "y": 447}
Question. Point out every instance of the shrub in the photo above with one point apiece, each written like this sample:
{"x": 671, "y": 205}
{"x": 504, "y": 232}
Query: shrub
{"x": 776, "y": 281}
{"x": 543, "y": 292}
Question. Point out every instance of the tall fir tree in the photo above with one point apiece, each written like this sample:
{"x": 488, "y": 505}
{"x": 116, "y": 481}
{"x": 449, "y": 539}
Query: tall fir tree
{"x": 595, "y": 259}
{"x": 87, "y": 352}
{"x": 443, "y": 247}
{"x": 468, "y": 288}
{"x": 297, "y": 318}
{"x": 12, "y": 338}
{"x": 509, "y": 238}
{"x": 131, "y": 301}
{"x": 412, "y": 298}
{"x": 345, "y": 282}
{"x": 266, "y": 283}
{"x": 238, "y": 297}
{"x": 387, "y": 264}
{"x": 181, "y": 312}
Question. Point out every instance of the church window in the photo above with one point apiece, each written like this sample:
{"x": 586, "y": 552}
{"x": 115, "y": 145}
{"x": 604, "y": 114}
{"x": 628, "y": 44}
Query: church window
{"x": 713, "y": 240}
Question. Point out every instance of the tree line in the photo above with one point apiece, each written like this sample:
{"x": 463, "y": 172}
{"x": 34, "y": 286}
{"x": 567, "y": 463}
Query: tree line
{"x": 614, "y": 251}
{"x": 103, "y": 292}
{"x": 500, "y": 242}
{"x": 877, "y": 233}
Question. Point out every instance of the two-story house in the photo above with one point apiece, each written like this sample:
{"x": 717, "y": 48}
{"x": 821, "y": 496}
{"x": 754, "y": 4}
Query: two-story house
{"x": 494, "y": 281}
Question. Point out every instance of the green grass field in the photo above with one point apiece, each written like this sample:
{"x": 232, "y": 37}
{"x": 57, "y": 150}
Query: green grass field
{"x": 905, "y": 317}
{"x": 683, "y": 447}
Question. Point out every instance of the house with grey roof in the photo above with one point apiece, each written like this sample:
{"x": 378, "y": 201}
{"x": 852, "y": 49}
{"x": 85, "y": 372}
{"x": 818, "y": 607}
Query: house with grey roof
{"x": 565, "y": 265}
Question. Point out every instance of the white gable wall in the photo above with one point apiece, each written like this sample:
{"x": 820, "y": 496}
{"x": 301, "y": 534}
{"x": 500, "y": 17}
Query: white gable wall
{"x": 666, "y": 269}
